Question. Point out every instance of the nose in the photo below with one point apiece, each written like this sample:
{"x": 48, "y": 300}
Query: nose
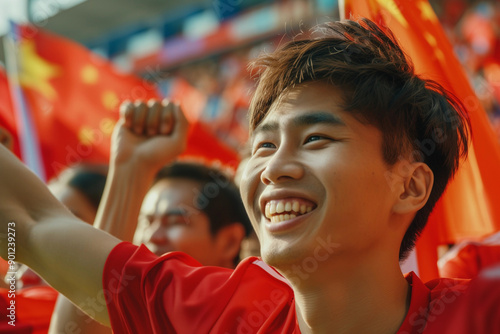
{"x": 282, "y": 166}
{"x": 158, "y": 235}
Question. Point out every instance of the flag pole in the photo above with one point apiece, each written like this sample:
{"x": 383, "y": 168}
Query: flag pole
{"x": 28, "y": 136}
{"x": 342, "y": 9}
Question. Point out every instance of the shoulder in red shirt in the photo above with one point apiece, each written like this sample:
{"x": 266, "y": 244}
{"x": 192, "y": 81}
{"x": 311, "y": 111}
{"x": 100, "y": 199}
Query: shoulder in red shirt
{"x": 175, "y": 294}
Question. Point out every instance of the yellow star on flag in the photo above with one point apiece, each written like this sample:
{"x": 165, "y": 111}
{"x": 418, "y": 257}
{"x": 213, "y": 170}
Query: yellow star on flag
{"x": 110, "y": 100}
{"x": 432, "y": 41}
{"x": 89, "y": 74}
{"x": 427, "y": 11}
{"x": 35, "y": 72}
{"x": 393, "y": 9}
{"x": 86, "y": 136}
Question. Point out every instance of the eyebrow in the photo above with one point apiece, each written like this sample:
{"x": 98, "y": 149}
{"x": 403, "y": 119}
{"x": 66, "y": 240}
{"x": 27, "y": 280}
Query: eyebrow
{"x": 171, "y": 212}
{"x": 318, "y": 117}
{"x": 315, "y": 117}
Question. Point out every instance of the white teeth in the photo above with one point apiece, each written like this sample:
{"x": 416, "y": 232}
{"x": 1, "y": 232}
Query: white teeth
{"x": 272, "y": 209}
{"x": 280, "y": 218}
{"x": 278, "y": 211}
{"x": 280, "y": 207}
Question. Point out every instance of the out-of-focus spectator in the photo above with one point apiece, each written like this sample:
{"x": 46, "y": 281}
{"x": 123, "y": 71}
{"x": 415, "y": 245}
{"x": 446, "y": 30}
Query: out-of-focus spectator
{"x": 474, "y": 30}
{"x": 197, "y": 210}
{"x": 468, "y": 258}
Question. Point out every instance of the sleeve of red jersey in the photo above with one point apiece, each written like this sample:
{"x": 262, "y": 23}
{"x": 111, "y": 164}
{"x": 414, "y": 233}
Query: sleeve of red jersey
{"x": 168, "y": 294}
{"x": 479, "y": 310}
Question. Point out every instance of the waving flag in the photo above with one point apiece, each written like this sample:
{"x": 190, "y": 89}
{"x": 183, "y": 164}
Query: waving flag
{"x": 71, "y": 96}
{"x": 467, "y": 209}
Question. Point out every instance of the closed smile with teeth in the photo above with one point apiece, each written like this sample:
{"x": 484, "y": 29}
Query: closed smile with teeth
{"x": 281, "y": 210}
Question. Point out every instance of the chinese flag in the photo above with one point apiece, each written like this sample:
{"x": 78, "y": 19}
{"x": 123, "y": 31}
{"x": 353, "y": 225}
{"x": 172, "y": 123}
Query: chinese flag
{"x": 467, "y": 208}
{"x": 74, "y": 96}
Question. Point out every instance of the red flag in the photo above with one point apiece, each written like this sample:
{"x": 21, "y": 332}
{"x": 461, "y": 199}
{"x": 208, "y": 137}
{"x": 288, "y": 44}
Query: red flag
{"x": 73, "y": 96}
{"x": 467, "y": 207}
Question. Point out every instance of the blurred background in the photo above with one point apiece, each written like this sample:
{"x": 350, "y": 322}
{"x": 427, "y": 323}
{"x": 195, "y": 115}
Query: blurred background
{"x": 207, "y": 44}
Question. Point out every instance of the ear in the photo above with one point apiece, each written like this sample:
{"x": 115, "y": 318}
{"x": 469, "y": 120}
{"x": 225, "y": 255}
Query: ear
{"x": 228, "y": 241}
{"x": 415, "y": 188}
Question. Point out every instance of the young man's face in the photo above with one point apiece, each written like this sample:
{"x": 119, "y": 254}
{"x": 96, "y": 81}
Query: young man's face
{"x": 325, "y": 170}
{"x": 170, "y": 221}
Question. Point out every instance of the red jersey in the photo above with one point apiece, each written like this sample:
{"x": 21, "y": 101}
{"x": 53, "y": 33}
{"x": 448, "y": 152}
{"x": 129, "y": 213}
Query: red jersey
{"x": 467, "y": 259}
{"x": 30, "y": 308}
{"x": 479, "y": 309}
{"x": 175, "y": 294}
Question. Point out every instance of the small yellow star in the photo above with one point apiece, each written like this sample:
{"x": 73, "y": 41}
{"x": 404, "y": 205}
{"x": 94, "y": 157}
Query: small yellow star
{"x": 89, "y": 74}
{"x": 110, "y": 100}
{"x": 393, "y": 9}
{"x": 430, "y": 39}
{"x": 427, "y": 11}
{"x": 433, "y": 42}
{"x": 86, "y": 136}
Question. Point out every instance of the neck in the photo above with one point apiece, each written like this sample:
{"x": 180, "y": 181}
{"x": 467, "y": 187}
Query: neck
{"x": 367, "y": 296}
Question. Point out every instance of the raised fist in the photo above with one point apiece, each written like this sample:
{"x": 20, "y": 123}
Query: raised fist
{"x": 151, "y": 134}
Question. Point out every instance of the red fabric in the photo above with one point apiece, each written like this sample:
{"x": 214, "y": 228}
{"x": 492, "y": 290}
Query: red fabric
{"x": 467, "y": 208}
{"x": 33, "y": 310}
{"x": 478, "y": 310}
{"x": 74, "y": 97}
{"x": 174, "y": 294}
{"x": 467, "y": 259}
{"x": 7, "y": 118}
{"x": 202, "y": 143}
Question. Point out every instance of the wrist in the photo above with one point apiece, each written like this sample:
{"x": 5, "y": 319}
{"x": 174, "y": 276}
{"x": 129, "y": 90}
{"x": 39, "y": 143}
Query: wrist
{"x": 133, "y": 169}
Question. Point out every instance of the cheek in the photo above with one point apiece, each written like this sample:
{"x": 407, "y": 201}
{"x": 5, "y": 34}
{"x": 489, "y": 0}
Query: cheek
{"x": 182, "y": 235}
{"x": 250, "y": 182}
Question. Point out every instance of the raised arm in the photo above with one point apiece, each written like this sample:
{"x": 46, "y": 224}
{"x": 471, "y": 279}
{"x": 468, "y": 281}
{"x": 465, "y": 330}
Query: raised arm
{"x": 39, "y": 231}
{"x": 147, "y": 137}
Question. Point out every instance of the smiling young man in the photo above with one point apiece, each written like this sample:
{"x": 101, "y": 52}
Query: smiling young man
{"x": 338, "y": 188}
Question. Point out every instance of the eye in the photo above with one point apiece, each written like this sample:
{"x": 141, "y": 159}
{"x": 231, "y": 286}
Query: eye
{"x": 266, "y": 145}
{"x": 178, "y": 220}
{"x": 315, "y": 138}
{"x": 263, "y": 146}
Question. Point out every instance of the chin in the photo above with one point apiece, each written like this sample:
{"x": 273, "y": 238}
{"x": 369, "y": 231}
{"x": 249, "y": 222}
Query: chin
{"x": 280, "y": 257}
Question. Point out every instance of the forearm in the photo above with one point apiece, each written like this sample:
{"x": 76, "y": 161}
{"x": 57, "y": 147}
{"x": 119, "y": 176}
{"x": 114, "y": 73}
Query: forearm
{"x": 66, "y": 252}
{"x": 126, "y": 186}
{"x": 68, "y": 318}
{"x": 24, "y": 200}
